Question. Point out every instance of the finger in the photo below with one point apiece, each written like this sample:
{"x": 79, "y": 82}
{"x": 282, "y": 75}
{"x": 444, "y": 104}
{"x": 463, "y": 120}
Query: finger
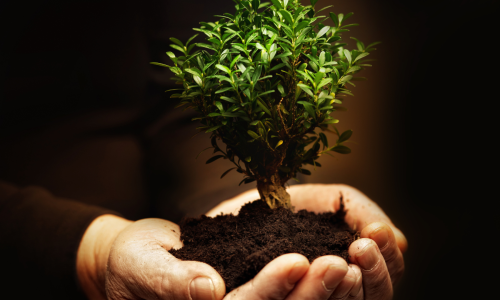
{"x": 361, "y": 210}
{"x": 356, "y": 292}
{"x": 386, "y": 241}
{"x": 377, "y": 283}
{"x": 275, "y": 281}
{"x": 324, "y": 277}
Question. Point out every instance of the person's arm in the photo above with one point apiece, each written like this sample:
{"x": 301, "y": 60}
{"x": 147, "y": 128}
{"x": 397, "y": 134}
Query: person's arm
{"x": 39, "y": 238}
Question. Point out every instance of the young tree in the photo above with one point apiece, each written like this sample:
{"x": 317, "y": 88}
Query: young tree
{"x": 265, "y": 79}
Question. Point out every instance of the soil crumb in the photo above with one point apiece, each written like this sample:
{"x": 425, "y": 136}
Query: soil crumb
{"x": 238, "y": 247}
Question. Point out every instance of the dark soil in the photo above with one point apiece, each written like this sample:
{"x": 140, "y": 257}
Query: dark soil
{"x": 238, "y": 247}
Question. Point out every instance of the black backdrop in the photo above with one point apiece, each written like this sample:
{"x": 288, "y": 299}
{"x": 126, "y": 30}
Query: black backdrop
{"x": 61, "y": 58}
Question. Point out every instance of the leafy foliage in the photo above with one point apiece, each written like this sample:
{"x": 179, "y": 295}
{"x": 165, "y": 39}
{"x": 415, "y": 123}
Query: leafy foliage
{"x": 265, "y": 79}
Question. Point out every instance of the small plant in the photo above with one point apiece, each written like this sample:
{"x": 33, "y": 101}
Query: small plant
{"x": 265, "y": 79}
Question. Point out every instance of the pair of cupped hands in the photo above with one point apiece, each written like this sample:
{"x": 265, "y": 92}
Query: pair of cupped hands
{"x": 121, "y": 259}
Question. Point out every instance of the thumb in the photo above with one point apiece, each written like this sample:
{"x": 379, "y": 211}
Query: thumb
{"x": 140, "y": 267}
{"x": 192, "y": 280}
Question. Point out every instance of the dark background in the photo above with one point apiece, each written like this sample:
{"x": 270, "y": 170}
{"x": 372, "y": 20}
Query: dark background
{"x": 423, "y": 122}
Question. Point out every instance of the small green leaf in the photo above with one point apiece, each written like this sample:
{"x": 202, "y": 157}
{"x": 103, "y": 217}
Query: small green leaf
{"x": 287, "y": 16}
{"x": 277, "y": 4}
{"x": 281, "y": 90}
{"x": 219, "y": 105}
{"x": 304, "y": 171}
{"x": 229, "y": 99}
{"x": 361, "y": 56}
{"x": 160, "y": 64}
{"x": 214, "y": 158}
{"x": 253, "y": 134}
{"x": 335, "y": 19}
{"x": 213, "y": 128}
{"x": 324, "y": 139}
{"x": 341, "y": 149}
{"x": 177, "y": 42}
{"x": 345, "y": 136}
{"x": 322, "y": 31}
{"x": 223, "y": 68}
{"x": 279, "y": 144}
{"x": 224, "y": 90}
{"x": 264, "y": 107}
{"x": 225, "y": 173}
{"x": 248, "y": 159}
{"x": 348, "y": 56}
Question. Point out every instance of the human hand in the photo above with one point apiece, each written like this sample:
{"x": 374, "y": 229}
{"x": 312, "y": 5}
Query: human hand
{"x": 381, "y": 243}
{"x": 121, "y": 259}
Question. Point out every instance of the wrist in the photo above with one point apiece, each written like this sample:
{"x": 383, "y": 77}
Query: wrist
{"x": 93, "y": 253}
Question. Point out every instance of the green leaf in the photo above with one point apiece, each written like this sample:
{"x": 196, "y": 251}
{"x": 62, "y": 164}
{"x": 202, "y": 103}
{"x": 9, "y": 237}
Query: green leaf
{"x": 277, "y": 4}
{"x": 330, "y": 121}
{"x": 264, "y": 108}
{"x": 255, "y": 4}
{"x": 248, "y": 159}
{"x": 278, "y": 67}
{"x": 214, "y": 114}
{"x": 160, "y": 64}
{"x": 345, "y": 79}
{"x": 335, "y": 19}
{"x": 225, "y": 173}
{"x": 322, "y": 32}
{"x": 309, "y": 108}
{"x": 306, "y": 89}
{"x": 348, "y": 55}
{"x": 198, "y": 80}
{"x": 322, "y": 58}
{"x": 224, "y": 90}
{"x": 265, "y": 93}
{"x": 341, "y": 149}
{"x": 278, "y": 144}
{"x": 281, "y": 90}
{"x": 223, "y": 68}
{"x": 177, "y": 42}
{"x": 345, "y": 136}
{"x": 286, "y": 54}
{"x": 304, "y": 171}
{"x": 324, "y": 139}
{"x": 287, "y": 16}
{"x": 191, "y": 38}
{"x": 313, "y": 2}
{"x": 235, "y": 60}
{"x": 353, "y": 69}
{"x": 318, "y": 77}
{"x": 323, "y": 82}
{"x": 176, "y": 47}
{"x": 213, "y": 128}
{"x": 214, "y": 158}
{"x": 253, "y": 134}
{"x": 219, "y": 105}
{"x": 361, "y": 56}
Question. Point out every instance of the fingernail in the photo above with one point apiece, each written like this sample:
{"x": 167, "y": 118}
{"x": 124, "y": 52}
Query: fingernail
{"x": 368, "y": 257}
{"x": 298, "y": 270}
{"x": 345, "y": 286}
{"x": 381, "y": 237}
{"x": 202, "y": 288}
{"x": 333, "y": 276}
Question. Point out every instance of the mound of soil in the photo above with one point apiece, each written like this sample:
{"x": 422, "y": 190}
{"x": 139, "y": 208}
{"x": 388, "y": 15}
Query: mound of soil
{"x": 238, "y": 247}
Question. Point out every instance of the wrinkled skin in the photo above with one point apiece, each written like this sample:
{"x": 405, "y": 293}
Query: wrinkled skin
{"x": 137, "y": 264}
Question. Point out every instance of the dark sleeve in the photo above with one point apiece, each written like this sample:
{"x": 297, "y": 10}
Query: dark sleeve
{"x": 39, "y": 239}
